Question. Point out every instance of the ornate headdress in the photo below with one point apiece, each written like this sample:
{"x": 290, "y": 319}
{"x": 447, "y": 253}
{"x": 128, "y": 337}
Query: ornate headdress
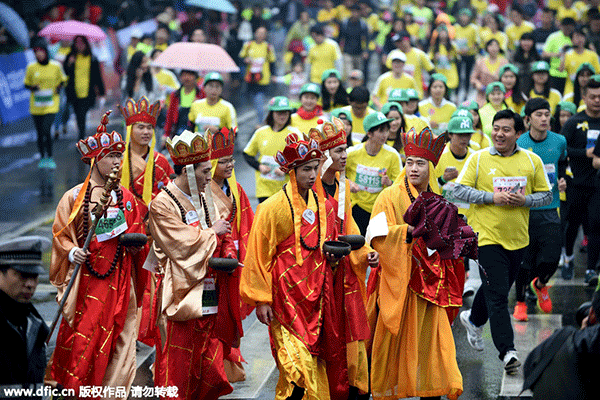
{"x": 189, "y": 148}
{"x": 223, "y": 142}
{"x": 297, "y": 152}
{"x": 142, "y": 111}
{"x": 423, "y": 144}
{"x": 328, "y": 134}
{"x": 102, "y": 143}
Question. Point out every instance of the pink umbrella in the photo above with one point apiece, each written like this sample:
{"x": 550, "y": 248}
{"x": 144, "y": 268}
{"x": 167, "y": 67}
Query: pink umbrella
{"x": 67, "y": 30}
{"x": 196, "y": 57}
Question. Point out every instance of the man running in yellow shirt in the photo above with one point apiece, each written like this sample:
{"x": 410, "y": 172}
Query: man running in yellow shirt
{"x": 212, "y": 112}
{"x": 394, "y": 79}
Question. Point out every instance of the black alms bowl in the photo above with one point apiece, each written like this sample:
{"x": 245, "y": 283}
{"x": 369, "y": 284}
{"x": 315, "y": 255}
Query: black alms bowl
{"x": 133, "y": 239}
{"x": 223, "y": 264}
{"x": 355, "y": 241}
{"x": 337, "y": 248}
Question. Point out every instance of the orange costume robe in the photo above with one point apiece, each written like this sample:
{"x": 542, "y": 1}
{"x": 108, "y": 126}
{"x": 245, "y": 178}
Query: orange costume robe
{"x": 351, "y": 273}
{"x": 304, "y": 340}
{"x": 190, "y": 354}
{"x": 161, "y": 176}
{"x": 413, "y": 352}
{"x": 96, "y": 339}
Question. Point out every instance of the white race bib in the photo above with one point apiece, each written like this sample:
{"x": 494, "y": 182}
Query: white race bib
{"x": 43, "y": 98}
{"x": 202, "y": 120}
{"x": 509, "y": 183}
{"x": 271, "y": 175}
{"x": 256, "y": 65}
{"x": 551, "y": 172}
{"x": 592, "y": 136}
{"x": 368, "y": 178}
{"x": 210, "y": 301}
{"x": 448, "y": 193}
{"x": 191, "y": 218}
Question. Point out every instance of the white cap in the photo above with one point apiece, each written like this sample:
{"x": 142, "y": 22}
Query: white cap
{"x": 397, "y": 55}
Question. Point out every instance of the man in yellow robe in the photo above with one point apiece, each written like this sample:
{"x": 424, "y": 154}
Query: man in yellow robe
{"x": 413, "y": 351}
{"x": 287, "y": 277}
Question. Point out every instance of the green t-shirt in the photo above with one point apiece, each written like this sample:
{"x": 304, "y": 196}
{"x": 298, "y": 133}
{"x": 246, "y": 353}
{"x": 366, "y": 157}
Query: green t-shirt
{"x": 555, "y": 44}
{"x": 186, "y": 100}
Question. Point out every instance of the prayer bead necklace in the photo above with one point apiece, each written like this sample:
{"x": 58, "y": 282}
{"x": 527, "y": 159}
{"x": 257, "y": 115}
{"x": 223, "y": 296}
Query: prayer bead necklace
{"x": 410, "y": 195}
{"x": 302, "y": 242}
{"x": 182, "y": 210}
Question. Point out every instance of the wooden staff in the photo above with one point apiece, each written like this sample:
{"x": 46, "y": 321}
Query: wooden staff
{"x": 111, "y": 183}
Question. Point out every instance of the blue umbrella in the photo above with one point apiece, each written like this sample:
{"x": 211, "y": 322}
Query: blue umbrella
{"x": 14, "y": 24}
{"x": 217, "y": 5}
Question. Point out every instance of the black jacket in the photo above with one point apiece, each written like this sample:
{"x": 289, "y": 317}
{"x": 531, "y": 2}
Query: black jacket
{"x": 96, "y": 81}
{"x": 22, "y": 355}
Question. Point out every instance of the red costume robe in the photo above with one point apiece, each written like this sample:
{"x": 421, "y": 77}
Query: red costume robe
{"x": 96, "y": 339}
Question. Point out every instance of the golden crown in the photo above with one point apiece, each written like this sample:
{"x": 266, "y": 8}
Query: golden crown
{"x": 142, "y": 111}
{"x": 189, "y": 148}
{"x": 329, "y": 134}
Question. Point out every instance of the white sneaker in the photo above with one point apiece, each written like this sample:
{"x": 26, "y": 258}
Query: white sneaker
{"x": 511, "y": 362}
{"x": 470, "y": 287}
{"x": 474, "y": 334}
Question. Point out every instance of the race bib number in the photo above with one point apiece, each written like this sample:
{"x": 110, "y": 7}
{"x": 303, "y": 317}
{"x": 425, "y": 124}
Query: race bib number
{"x": 43, "y": 98}
{"x": 368, "y": 179}
{"x": 510, "y": 184}
{"x": 592, "y": 136}
{"x": 112, "y": 225}
{"x": 551, "y": 172}
{"x": 271, "y": 175}
{"x": 210, "y": 301}
{"x": 448, "y": 193}
{"x": 191, "y": 218}
{"x": 202, "y": 120}
{"x": 257, "y": 65}
{"x": 308, "y": 216}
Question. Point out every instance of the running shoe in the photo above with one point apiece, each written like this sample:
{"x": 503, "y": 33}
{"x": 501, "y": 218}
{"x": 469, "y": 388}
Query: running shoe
{"x": 511, "y": 362}
{"x": 474, "y": 333}
{"x": 591, "y": 278}
{"x": 567, "y": 270}
{"x": 520, "y": 313}
{"x": 543, "y": 299}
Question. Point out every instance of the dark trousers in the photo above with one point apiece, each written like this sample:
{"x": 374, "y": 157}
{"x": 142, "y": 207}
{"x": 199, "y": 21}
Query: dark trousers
{"x": 578, "y": 200}
{"x": 466, "y": 62}
{"x": 43, "y": 125}
{"x": 81, "y": 107}
{"x": 594, "y": 229}
{"x": 491, "y": 301}
{"x": 362, "y": 218}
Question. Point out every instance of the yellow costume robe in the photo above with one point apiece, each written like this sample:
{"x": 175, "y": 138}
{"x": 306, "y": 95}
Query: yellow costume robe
{"x": 299, "y": 291}
{"x": 413, "y": 352}
{"x": 189, "y": 356}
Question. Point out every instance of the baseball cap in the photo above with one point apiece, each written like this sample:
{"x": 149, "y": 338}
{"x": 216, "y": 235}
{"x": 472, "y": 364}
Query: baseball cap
{"x": 460, "y": 125}
{"x": 540, "y": 66}
{"x": 280, "y": 103}
{"x": 340, "y": 111}
{"x": 213, "y": 76}
{"x": 310, "y": 88}
{"x": 398, "y": 95}
{"x": 387, "y": 107}
{"x": 499, "y": 85}
{"x": 397, "y": 55}
{"x": 374, "y": 120}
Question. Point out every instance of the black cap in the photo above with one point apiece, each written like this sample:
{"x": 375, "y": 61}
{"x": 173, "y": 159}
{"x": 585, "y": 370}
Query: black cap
{"x": 537, "y": 103}
{"x": 24, "y": 254}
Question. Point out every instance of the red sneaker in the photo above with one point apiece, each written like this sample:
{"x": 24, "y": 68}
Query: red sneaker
{"x": 543, "y": 299}
{"x": 520, "y": 313}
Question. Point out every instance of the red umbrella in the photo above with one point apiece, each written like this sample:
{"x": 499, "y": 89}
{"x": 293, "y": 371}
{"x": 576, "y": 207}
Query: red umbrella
{"x": 196, "y": 57}
{"x": 67, "y": 30}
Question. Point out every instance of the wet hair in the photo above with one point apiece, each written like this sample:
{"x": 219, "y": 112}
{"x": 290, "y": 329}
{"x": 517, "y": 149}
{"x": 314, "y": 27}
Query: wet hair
{"x": 134, "y": 64}
{"x": 510, "y": 114}
{"x": 88, "y": 48}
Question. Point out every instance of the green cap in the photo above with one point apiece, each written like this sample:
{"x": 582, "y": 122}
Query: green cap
{"x": 470, "y": 105}
{"x": 412, "y": 94}
{"x": 375, "y": 119}
{"x": 489, "y": 88}
{"x": 398, "y": 95}
{"x": 586, "y": 65}
{"x": 511, "y": 67}
{"x": 466, "y": 11}
{"x": 568, "y": 106}
{"x": 310, "y": 88}
{"x": 280, "y": 103}
{"x": 439, "y": 77}
{"x": 462, "y": 113}
{"x": 460, "y": 125}
{"x": 328, "y": 72}
{"x": 213, "y": 76}
{"x": 387, "y": 107}
{"x": 540, "y": 66}
{"x": 340, "y": 111}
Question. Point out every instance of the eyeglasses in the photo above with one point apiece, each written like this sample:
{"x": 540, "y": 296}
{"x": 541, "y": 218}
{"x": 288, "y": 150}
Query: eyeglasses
{"x": 226, "y": 162}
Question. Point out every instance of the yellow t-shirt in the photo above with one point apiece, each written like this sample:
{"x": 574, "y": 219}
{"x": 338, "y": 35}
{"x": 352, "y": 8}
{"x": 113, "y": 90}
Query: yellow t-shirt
{"x": 514, "y": 106}
{"x": 479, "y": 141}
{"x": 416, "y": 62}
{"x": 441, "y": 115}
{"x": 412, "y": 121}
{"x": 358, "y": 130}
{"x": 366, "y": 171}
{"x": 554, "y": 98}
{"x": 304, "y": 125}
{"x": 503, "y": 225}
{"x": 480, "y": 6}
{"x": 447, "y": 160}
{"x": 48, "y": 77}
{"x": 386, "y": 83}
{"x": 329, "y": 17}
{"x": 321, "y": 57}
{"x": 572, "y": 63}
{"x": 563, "y": 12}
{"x": 169, "y": 81}
{"x": 446, "y": 65}
{"x": 83, "y": 65}
{"x": 262, "y": 54}
{"x": 465, "y": 38}
{"x": 515, "y": 32}
{"x": 343, "y": 12}
{"x": 266, "y": 142}
{"x": 222, "y": 114}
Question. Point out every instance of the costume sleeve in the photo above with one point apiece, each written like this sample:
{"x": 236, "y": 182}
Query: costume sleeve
{"x": 62, "y": 244}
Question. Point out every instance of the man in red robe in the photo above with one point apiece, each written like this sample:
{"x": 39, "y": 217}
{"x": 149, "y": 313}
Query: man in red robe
{"x": 95, "y": 345}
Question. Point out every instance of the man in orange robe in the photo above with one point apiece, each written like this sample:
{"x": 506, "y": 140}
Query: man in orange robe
{"x": 413, "y": 351}
{"x": 145, "y": 172}
{"x": 193, "y": 295}
{"x": 351, "y": 271}
{"x": 287, "y": 277}
{"x": 95, "y": 345}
